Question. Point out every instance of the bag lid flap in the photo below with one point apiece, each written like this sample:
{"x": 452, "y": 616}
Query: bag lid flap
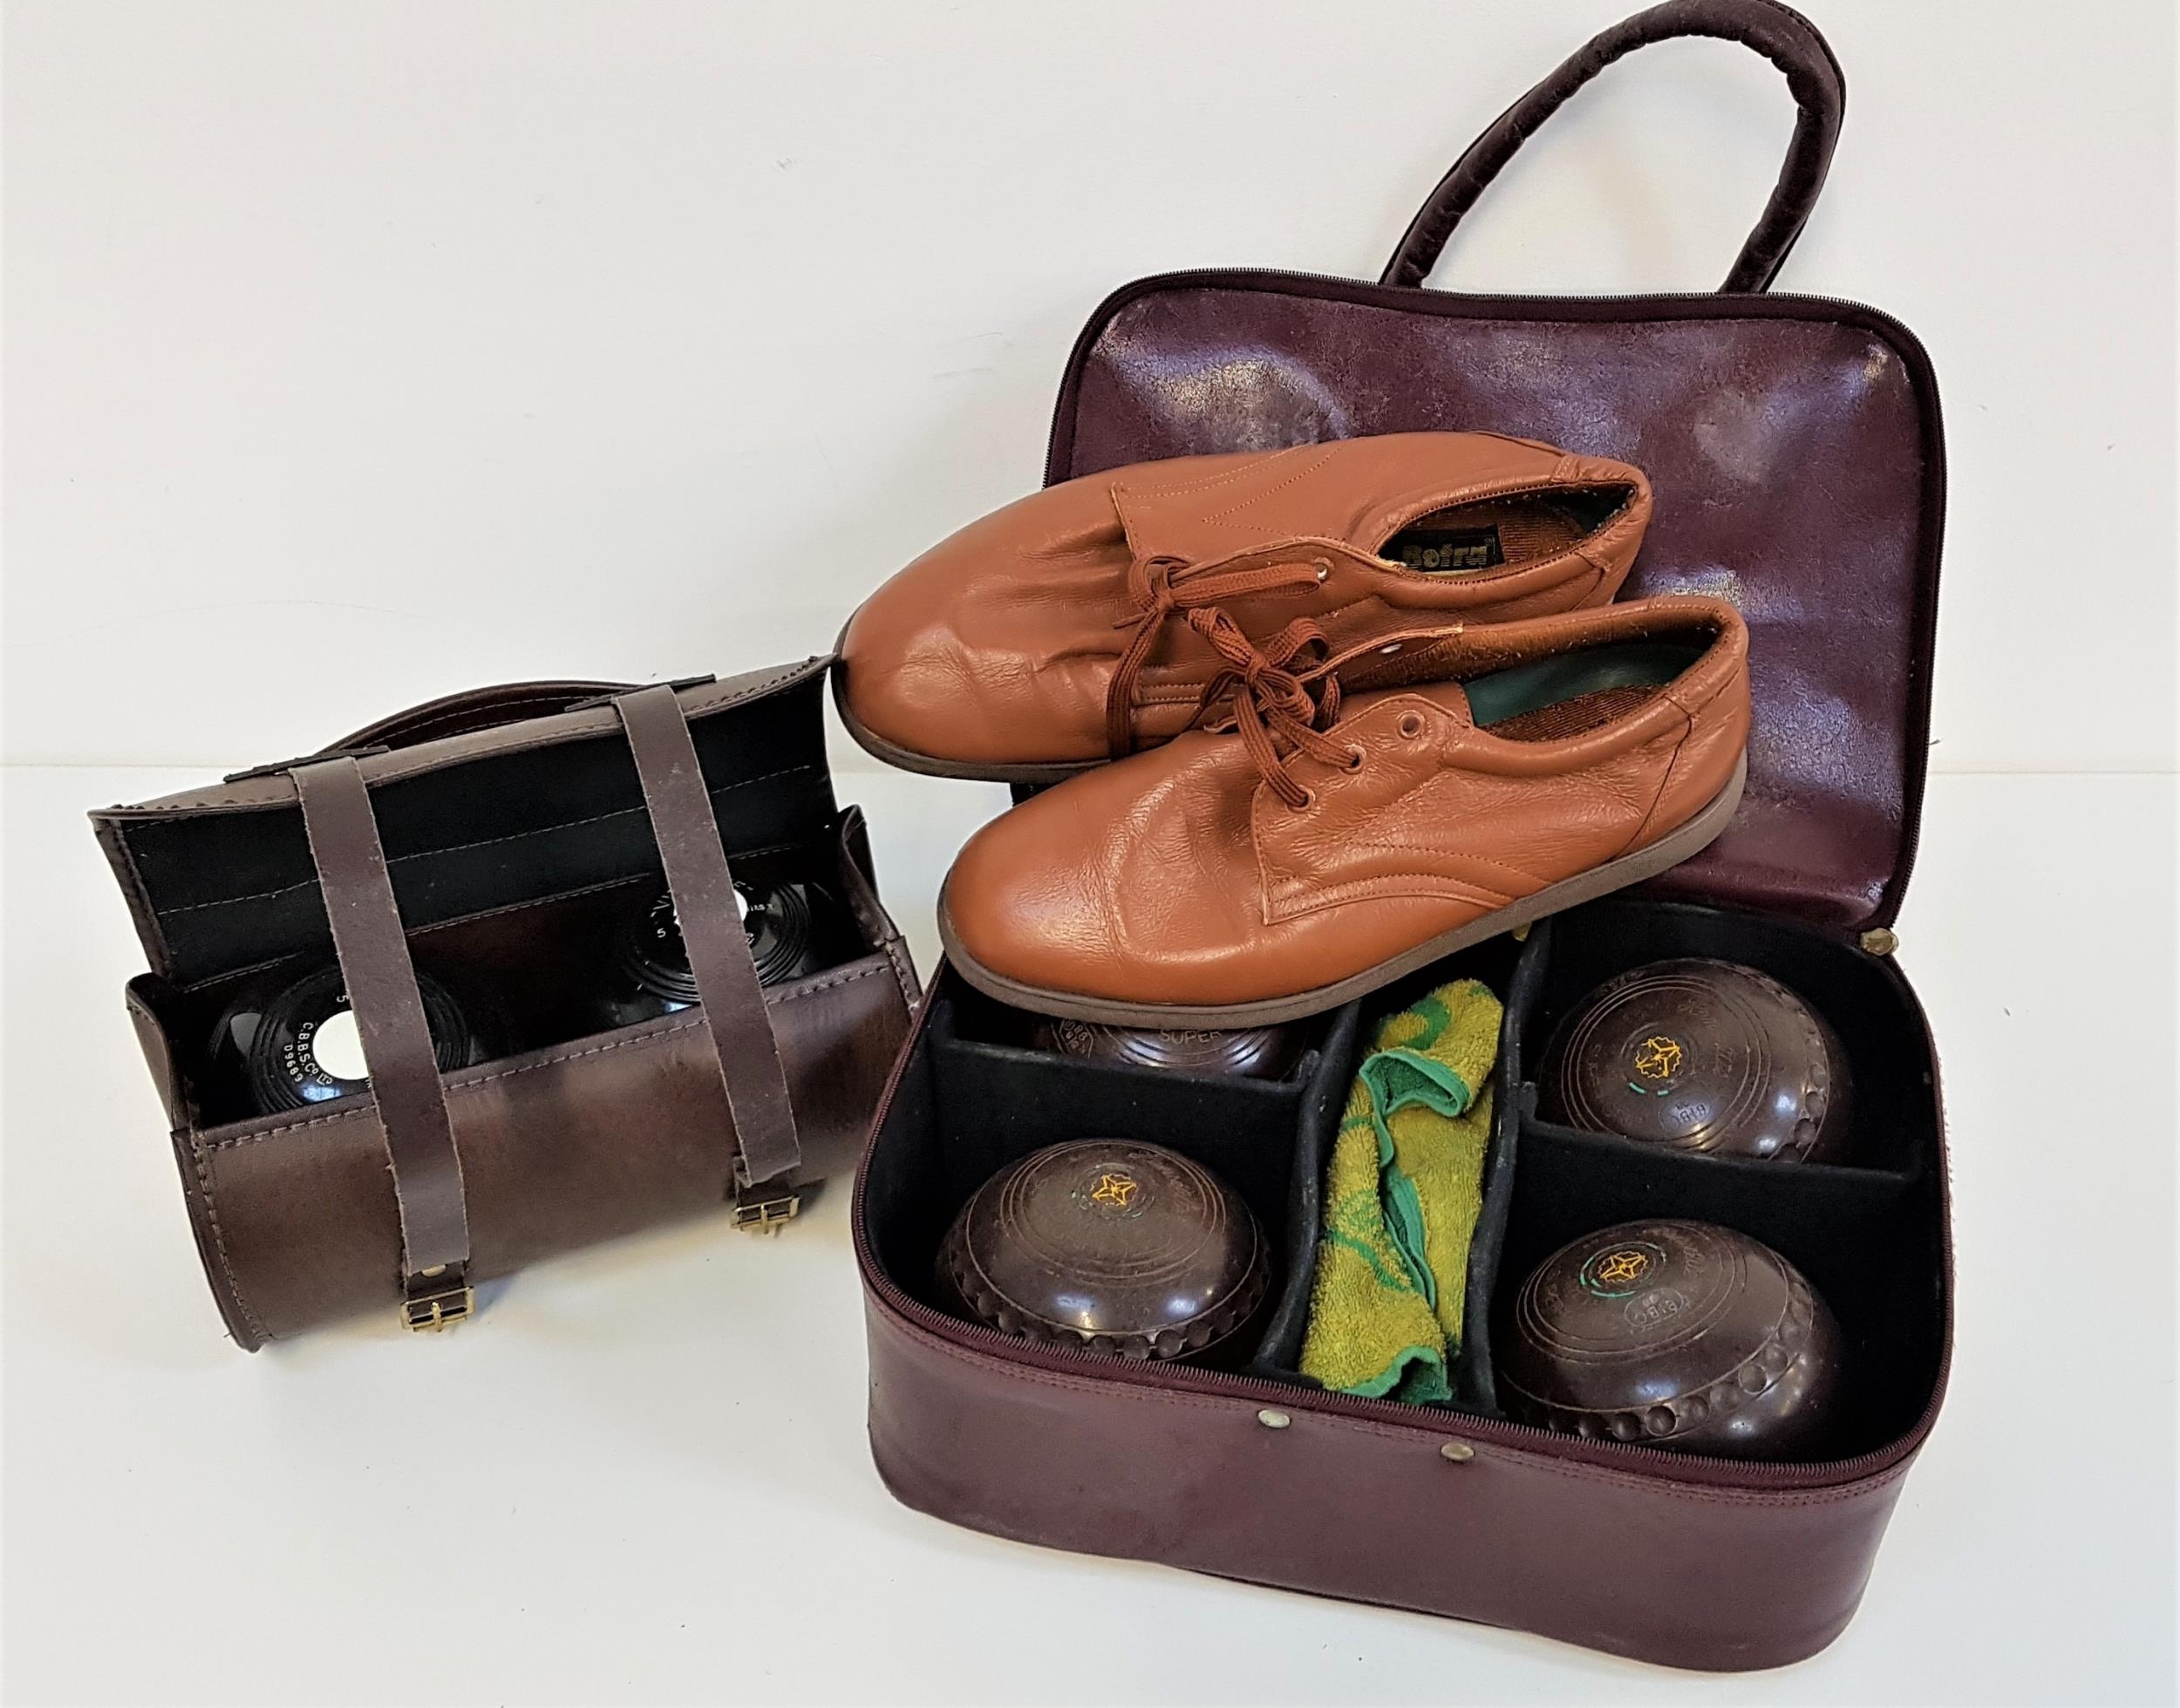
{"x": 1794, "y": 445}
{"x": 484, "y": 799}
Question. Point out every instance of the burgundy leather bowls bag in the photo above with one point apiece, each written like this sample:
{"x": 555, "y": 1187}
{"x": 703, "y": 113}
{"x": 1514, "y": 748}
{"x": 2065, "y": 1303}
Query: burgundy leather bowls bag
{"x": 1795, "y": 449}
{"x": 392, "y": 1009}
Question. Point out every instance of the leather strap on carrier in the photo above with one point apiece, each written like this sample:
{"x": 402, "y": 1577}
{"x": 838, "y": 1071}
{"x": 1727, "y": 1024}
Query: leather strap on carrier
{"x": 396, "y": 1039}
{"x": 698, "y": 879}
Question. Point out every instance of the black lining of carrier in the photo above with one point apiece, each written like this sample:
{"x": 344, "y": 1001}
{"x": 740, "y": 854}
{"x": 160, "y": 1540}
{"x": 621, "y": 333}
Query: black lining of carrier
{"x": 228, "y": 887}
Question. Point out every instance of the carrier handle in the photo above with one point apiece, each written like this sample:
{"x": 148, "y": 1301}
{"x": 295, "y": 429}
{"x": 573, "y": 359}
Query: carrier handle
{"x": 1782, "y": 35}
{"x": 477, "y": 709}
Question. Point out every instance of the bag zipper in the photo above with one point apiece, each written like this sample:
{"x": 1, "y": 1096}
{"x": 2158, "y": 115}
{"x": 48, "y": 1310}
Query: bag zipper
{"x": 1370, "y": 293}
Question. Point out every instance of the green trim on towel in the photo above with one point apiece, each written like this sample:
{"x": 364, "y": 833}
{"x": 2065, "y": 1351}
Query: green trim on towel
{"x": 1417, "y": 1374}
{"x": 1399, "y": 1077}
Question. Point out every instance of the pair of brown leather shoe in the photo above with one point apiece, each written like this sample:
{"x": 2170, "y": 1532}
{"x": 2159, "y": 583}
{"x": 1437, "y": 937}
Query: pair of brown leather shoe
{"x": 1317, "y": 718}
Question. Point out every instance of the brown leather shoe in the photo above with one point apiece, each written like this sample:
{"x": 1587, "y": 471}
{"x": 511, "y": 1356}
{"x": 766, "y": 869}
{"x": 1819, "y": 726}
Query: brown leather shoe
{"x": 1350, "y": 821}
{"x": 1048, "y": 637}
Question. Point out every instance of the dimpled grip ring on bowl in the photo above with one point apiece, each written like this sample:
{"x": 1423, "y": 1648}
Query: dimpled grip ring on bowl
{"x": 1255, "y": 1052}
{"x": 1674, "y": 1334}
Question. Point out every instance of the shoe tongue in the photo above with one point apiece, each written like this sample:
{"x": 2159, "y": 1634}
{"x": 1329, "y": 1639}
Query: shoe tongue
{"x": 1292, "y": 496}
{"x": 1420, "y": 663}
{"x": 1450, "y": 696}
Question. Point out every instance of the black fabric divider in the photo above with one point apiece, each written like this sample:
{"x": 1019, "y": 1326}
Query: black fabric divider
{"x": 234, "y": 889}
{"x": 1324, "y": 1078}
{"x": 1475, "y": 1386}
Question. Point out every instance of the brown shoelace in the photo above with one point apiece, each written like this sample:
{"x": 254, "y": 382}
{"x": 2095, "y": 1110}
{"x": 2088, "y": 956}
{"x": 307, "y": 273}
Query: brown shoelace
{"x": 1278, "y": 709}
{"x": 1160, "y": 586}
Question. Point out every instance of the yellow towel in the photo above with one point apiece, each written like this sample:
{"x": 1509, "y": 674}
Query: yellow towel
{"x": 1402, "y": 1199}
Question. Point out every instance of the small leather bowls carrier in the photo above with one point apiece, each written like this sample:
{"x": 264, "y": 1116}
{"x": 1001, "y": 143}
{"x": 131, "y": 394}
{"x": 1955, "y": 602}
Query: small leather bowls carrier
{"x": 1686, "y": 1444}
{"x": 503, "y": 976}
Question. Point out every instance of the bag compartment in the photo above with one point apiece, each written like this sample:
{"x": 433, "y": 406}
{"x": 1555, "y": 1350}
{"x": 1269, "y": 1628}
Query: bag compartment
{"x": 984, "y": 1105}
{"x": 1498, "y": 965}
{"x": 1455, "y": 1509}
{"x": 1861, "y": 1235}
{"x": 1258, "y": 1475}
{"x": 1868, "y": 1233}
{"x": 1858, "y": 994}
{"x": 537, "y": 973}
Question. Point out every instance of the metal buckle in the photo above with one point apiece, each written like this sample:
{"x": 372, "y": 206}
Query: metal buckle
{"x": 768, "y": 1213}
{"x": 436, "y": 1297}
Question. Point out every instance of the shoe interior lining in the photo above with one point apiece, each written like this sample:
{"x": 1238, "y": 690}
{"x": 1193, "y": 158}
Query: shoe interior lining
{"x": 1578, "y": 715}
{"x": 1552, "y": 699}
{"x": 1506, "y": 532}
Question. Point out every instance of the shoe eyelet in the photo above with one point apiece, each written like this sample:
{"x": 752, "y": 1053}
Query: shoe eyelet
{"x": 1308, "y": 800}
{"x": 1355, "y": 758}
{"x": 1410, "y": 725}
{"x": 1324, "y": 568}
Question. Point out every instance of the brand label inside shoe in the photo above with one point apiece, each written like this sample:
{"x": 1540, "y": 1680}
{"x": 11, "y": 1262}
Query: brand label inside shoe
{"x": 1446, "y": 550}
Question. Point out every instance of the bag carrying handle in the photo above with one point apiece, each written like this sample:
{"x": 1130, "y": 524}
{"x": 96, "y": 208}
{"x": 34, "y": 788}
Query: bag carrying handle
{"x": 1782, "y": 35}
{"x": 380, "y": 980}
{"x": 477, "y": 709}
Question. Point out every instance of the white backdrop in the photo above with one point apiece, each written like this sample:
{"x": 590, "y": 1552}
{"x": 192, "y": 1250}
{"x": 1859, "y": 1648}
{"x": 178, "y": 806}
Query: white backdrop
{"x": 358, "y": 352}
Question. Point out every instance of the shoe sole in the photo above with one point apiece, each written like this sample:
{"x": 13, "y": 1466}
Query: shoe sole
{"x": 905, "y": 758}
{"x": 1667, "y": 852}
